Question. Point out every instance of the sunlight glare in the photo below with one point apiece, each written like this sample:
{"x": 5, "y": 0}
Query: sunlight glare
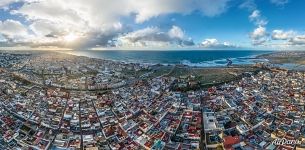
{"x": 70, "y": 37}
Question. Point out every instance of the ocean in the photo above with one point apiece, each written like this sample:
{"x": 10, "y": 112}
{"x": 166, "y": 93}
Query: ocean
{"x": 203, "y": 58}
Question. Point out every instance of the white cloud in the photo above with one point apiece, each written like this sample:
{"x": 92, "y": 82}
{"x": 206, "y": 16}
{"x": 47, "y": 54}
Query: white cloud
{"x": 154, "y": 37}
{"x": 255, "y": 14}
{"x": 248, "y": 4}
{"x": 279, "y": 2}
{"x": 52, "y": 11}
{"x": 209, "y": 42}
{"x": 12, "y": 29}
{"x": 214, "y": 43}
{"x": 100, "y": 20}
{"x": 282, "y": 35}
{"x": 45, "y": 28}
{"x": 91, "y": 23}
{"x": 99, "y": 12}
{"x": 259, "y": 36}
{"x": 297, "y": 40}
{"x": 257, "y": 18}
{"x": 176, "y": 32}
{"x": 152, "y": 8}
{"x": 285, "y": 40}
{"x": 289, "y": 39}
{"x": 258, "y": 32}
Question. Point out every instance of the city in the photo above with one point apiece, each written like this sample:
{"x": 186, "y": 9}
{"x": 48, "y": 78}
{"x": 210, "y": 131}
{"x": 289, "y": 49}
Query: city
{"x": 56, "y": 101}
{"x": 152, "y": 75}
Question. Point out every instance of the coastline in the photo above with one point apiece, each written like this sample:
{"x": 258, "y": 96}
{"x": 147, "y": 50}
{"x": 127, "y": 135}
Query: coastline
{"x": 205, "y": 76}
{"x": 250, "y": 59}
{"x": 292, "y": 60}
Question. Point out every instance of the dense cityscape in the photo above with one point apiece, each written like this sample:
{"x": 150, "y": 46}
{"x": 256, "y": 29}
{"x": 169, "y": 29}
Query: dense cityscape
{"x": 58, "y": 101}
{"x": 152, "y": 75}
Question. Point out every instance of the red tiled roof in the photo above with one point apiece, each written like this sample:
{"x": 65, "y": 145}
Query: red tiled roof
{"x": 230, "y": 140}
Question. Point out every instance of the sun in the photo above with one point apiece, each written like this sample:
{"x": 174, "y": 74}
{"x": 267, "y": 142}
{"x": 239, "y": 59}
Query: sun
{"x": 70, "y": 37}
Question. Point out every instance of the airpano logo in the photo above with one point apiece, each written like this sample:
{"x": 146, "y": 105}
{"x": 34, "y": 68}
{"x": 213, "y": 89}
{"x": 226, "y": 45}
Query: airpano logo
{"x": 284, "y": 141}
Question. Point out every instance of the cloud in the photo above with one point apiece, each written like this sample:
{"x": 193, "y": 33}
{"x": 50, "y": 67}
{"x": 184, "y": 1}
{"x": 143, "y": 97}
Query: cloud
{"x": 154, "y": 37}
{"x": 282, "y": 35}
{"x": 248, "y": 4}
{"x": 82, "y": 40}
{"x": 297, "y": 40}
{"x": 261, "y": 41}
{"x": 100, "y": 20}
{"x": 92, "y": 13}
{"x": 279, "y": 2}
{"x": 289, "y": 39}
{"x": 148, "y": 9}
{"x": 257, "y": 19}
{"x": 213, "y": 43}
{"x": 258, "y": 33}
{"x": 259, "y": 36}
{"x": 45, "y": 28}
{"x": 176, "y": 32}
{"x": 12, "y": 29}
{"x": 212, "y": 7}
{"x": 5, "y": 3}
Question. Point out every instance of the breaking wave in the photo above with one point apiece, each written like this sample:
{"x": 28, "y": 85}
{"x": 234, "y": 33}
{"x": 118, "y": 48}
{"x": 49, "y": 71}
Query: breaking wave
{"x": 223, "y": 62}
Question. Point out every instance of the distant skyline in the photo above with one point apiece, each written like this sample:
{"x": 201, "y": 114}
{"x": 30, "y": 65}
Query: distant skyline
{"x": 152, "y": 24}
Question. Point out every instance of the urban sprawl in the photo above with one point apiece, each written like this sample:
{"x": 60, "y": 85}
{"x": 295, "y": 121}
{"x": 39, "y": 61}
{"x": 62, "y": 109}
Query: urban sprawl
{"x": 58, "y": 101}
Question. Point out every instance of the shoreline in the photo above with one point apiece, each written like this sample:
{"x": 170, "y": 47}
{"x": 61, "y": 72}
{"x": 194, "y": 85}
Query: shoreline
{"x": 203, "y": 64}
{"x": 254, "y": 59}
{"x": 273, "y": 58}
{"x": 184, "y": 62}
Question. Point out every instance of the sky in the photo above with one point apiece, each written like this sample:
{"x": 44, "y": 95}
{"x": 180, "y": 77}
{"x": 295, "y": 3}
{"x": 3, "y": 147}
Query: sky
{"x": 152, "y": 24}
